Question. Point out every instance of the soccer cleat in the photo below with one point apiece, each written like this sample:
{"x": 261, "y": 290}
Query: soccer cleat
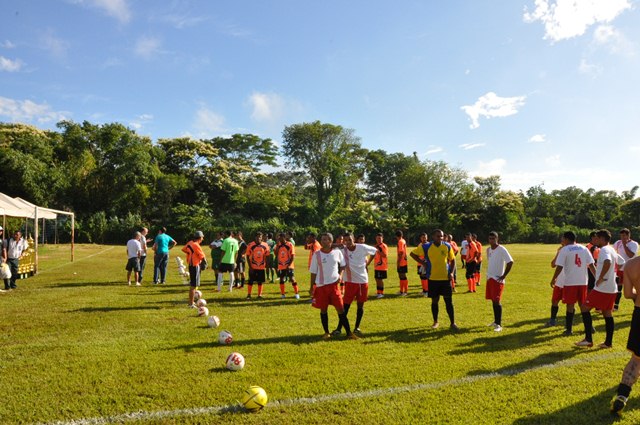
{"x": 358, "y": 332}
{"x": 550, "y": 323}
{"x": 618, "y": 403}
{"x": 404, "y": 294}
{"x": 248, "y": 297}
{"x": 138, "y": 284}
{"x": 283, "y": 296}
{"x": 425, "y": 294}
{"x": 129, "y": 283}
{"x": 603, "y": 345}
{"x": 380, "y": 296}
{"x": 155, "y": 283}
{"x": 260, "y": 297}
{"x": 435, "y": 325}
{"x": 336, "y": 332}
{"x": 567, "y": 332}
{"x": 615, "y": 308}
{"x": 497, "y": 328}
{"x": 297, "y": 296}
{"x": 584, "y": 343}
{"x": 326, "y": 337}
{"x": 353, "y": 336}
{"x": 192, "y": 306}
{"x": 454, "y": 327}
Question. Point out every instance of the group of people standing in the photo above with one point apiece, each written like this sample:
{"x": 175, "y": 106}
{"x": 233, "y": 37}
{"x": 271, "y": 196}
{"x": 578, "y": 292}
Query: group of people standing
{"x": 12, "y": 249}
{"x": 137, "y": 248}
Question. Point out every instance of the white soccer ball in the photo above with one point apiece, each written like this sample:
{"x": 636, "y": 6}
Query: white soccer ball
{"x": 235, "y": 361}
{"x": 197, "y": 295}
{"x": 213, "y": 321}
{"x": 225, "y": 337}
{"x": 201, "y": 302}
{"x": 203, "y": 311}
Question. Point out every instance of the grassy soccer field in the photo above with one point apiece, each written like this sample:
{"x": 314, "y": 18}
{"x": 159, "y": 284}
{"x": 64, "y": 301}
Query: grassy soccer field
{"x": 77, "y": 343}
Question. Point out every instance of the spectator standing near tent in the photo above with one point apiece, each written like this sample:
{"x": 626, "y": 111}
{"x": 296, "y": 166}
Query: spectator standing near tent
{"x": 12, "y": 249}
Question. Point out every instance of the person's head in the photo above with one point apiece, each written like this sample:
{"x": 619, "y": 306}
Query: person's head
{"x": 360, "y": 238}
{"x": 269, "y": 235}
{"x": 219, "y": 235}
{"x": 1, "y": 232}
{"x": 493, "y": 238}
{"x": 162, "y": 230}
{"x": 423, "y": 237}
{"x": 198, "y": 236}
{"x": 136, "y": 235}
{"x": 326, "y": 239}
{"x": 399, "y": 234}
{"x": 468, "y": 237}
{"x": 625, "y": 235}
{"x": 447, "y": 237}
{"x": 569, "y": 237}
{"x": 474, "y": 237}
{"x": 239, "y": 235}
{"x": 437, "y": 236}
{"x": 339, "y": 240}
{"x": 349, "y": 240}
{"x": 227, "y": 233}
{"x": 258, "y": 237}
{"x": 282, "y": 237}
{"x": 379, "y": 238}
{"x": 144, "y": 231}
{"x": 592, "y": 237}
{"x": 603, "y": 237}
{"x": 289, "y": 234}
{"x": 18, "y": 234}
{"x": 450, "y": 237}
{"x": 311, "y": 237}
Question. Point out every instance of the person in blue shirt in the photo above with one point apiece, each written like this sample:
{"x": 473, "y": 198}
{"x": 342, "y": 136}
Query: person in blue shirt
{"x": 161, "y": 245}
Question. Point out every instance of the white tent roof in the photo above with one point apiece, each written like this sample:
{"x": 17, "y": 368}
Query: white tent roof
{"x": 16, "y": 207}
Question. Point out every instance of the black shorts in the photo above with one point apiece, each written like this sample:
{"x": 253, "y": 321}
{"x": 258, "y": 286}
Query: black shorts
{"x": 439, "y": 288}
{"x": 380, "y": 274}
{"x": 478, "y": 264}
{"x": 633, "y": 343}
{"x": 402, "y": 270}
{"x": 256, "y": 276}
{"x": 240, "y": 266}
{"x": 286, "y": 273}
{"x": 470, "y": 270}
{"x": 133, "y": 264}
{"x": 194, "y": 276}
{"x": 226, "y": 267}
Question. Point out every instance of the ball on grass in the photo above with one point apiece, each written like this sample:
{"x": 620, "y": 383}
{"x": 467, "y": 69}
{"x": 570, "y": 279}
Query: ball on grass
{"x": 203, "y": 311}
{"x": 225, "y": 337}
{"x": 197, "y": 295}
{"x": 254, "y": 398}
{"x": 201, "y": 302}
{"x": 235, "y": 361}
{"x": 213, "y": 321}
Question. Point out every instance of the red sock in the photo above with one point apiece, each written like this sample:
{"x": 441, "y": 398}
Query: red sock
{"x": 295, "y": 288}
{"x": 249, "y": 289}
{"x": 404, "y": 285}
{"x": 282, "y": 288}
{"x": 425, "y": 285}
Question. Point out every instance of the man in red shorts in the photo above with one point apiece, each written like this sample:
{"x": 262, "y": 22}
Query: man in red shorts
{"x": 631, "y": 289}
{"x": 356, "y": 278}
{"x": 500, "y": 263}
{"x": 603, "y": 295}
{"x": 326, "y": 266}
{"x": 574, "y": 260}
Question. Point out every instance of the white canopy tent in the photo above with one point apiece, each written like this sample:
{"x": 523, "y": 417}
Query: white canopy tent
{"x": 18, "y": 207}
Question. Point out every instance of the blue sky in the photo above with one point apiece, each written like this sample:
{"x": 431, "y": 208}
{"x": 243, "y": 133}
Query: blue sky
{"x": 537, "y": 91}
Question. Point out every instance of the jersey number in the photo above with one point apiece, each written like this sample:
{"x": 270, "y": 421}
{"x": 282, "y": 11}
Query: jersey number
{"x": 578, "y": 261}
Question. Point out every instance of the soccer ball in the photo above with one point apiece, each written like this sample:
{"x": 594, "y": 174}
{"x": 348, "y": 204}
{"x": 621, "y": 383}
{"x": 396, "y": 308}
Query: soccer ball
{"x": 225, "y": 337}
{"x": 201, "y": 302}
{"x": 203, "y": 311}
{"x": 254, "y": 398}
{"x": 213, "y": 321}
{"x": 235, "y": 361}
{"x": 197, "y": 295}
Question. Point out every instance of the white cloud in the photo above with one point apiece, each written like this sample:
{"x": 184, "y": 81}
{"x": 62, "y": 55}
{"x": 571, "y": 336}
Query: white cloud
{"x": 538, "y": 138}
{"x": 10, "y": 65}
{"x": 180, "y": 21}
{"x": 118, "y": 9}
{"x": 57, "y": 47}
{"x": 469, "y": 146}
{"x": 490, "y": 168}
{"x": 433, "y": 149}
{"x": 266, "y": 107}
{"x": 564, "y": 19}
{"x": 7, "y": 45}
{"x": 553, "y": 161}
{"x": 589, "y": 68}
{"x": 147, "y": 47}
{"x": 141, "y": 120}
{"x": 208, "y": 123}
{"x": 611, "y": 38}
{"x": 634, "y": 148}
{"x": 28, "y": 111}
{"x": 491, "y": 105}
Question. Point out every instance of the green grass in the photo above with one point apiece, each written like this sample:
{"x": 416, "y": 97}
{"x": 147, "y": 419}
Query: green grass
{"x": 76, "y": 342}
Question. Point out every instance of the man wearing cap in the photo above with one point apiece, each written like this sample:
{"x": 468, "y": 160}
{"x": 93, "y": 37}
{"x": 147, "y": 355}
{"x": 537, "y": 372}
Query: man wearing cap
{"x": 195, "y": 255}
{"x": 12, "y": 249}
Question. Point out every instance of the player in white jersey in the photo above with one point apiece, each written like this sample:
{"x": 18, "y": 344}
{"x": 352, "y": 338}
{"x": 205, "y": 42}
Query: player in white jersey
{"x": 326, "y": 267}
{"x": 500, "y": 263}
{"x": 627, "y": 248}
{"x": 574, "y": 260}
{"x": 356, "y": 278}
{"x": 603, "y": 295}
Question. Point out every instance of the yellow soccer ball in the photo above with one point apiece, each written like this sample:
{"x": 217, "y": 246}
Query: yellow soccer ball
{"x": 254, "y": 398}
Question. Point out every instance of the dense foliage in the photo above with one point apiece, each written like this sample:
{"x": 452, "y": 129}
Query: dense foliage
{"x": 116, "y": 180}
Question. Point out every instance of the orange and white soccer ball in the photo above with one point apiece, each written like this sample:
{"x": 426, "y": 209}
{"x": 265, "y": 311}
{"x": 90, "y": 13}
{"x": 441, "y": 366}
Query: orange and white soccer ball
{"x": 213, "y": 321}
{"x": 201, "y": 302}
{"x": 203, "y": 311}
{"x": 197, "y": 295}
{"x": 225, "y": 337}
{"x": 235, "y": 361}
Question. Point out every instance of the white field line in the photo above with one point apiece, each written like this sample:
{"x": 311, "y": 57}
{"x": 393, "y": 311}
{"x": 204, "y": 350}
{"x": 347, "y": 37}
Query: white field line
{"x": 197, "y": 411}
{"x": 76, "y": 261}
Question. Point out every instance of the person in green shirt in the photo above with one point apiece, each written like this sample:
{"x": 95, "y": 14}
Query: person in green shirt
{"x": 216, "y": 254}
{"x": 229, "y": 250}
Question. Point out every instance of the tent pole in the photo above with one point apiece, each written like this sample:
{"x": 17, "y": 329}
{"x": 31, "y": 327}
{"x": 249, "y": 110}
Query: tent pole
{"x": 35, "y": 240}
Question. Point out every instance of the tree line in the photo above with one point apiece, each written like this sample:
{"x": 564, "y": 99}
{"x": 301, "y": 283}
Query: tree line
{"x": 116, "y": 180}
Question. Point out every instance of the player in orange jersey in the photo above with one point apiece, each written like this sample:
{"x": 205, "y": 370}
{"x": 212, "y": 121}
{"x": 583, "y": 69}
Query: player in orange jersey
{"x": 312, "y": 246}
{"x": 257, "y": 256}
{"x": 285, "y": 254}
{"x": 402, "y": 264}
{"x": 380, "y": 263}
{"x": 472, "y": 257}
{"x": 476, "y": 275}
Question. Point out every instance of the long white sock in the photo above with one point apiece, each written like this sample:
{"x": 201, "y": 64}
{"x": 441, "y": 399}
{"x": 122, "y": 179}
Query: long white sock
{"x": 220, "y": 280}
{"x": 230, "y": 282}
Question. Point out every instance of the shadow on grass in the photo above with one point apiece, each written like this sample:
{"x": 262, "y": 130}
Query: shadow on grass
{"x": 110, "y": 309}
{"x": 594, "y": 410}
{"x": 542, "y": 360}
{"x": 81, "y": 284}
{"x": 293, "y": 339}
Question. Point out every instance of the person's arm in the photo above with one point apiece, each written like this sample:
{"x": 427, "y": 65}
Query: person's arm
{"x": 507, "y": 269}
{"x": 416, "y": 258}
{"x": 605, "y": 268}
{"x": 172, "y": 243}
{"x": 312, "y": 280}
{"x": 555, "y": 275}
{"x": 630, "y": 254}
{"x": 592, "y": 269}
